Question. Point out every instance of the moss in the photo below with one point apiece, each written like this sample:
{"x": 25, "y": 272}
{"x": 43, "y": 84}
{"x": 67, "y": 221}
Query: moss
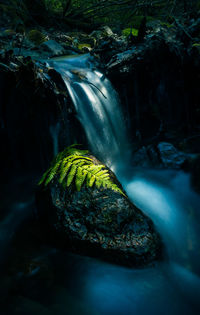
{"x": 82, "y": 46}
{"x": 166, "y": 24}
{"x": 127, "y": 31}
{"x": 9, "y": 32}
{"x": 196, "y": 45}
{"x": 36, "y": 37}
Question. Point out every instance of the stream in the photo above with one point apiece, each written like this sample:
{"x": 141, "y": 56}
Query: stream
{"x": 38, "y": 278}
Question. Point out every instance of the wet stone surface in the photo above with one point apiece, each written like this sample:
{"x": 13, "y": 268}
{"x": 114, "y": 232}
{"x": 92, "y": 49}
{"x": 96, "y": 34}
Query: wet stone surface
{"x": 99, "y": 222}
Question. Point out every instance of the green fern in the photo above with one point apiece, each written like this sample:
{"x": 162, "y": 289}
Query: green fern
{"x": 73, "y": 165}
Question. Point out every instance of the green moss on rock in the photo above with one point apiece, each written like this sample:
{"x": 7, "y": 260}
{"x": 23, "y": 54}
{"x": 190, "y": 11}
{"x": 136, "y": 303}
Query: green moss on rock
{"x": 168, "y": 25}
{"x": 196, "y": 45}
{"x": 83, "y": 46}
{"x": 36, "y": 37}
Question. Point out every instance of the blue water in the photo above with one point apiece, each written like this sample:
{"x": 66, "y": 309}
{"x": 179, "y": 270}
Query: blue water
{"x": 62, "y": 283}
{"x": 37, "y": 278}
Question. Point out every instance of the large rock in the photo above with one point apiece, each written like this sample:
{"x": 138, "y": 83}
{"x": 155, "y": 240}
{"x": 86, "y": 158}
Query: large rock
{"x": 99, "y": 221}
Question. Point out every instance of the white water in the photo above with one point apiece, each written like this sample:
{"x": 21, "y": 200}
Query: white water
{"x": 97, "y": 107}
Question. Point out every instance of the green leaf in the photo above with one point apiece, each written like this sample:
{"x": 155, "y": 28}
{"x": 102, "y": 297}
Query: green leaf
{"x": 71, "y": 174}
{"x": 92, "y": 180}
{"x": 52, "y": 173}
{"x": 64, "y": 172}
{"x": 80, "y": 178}
{"x": 73, "y": 164}
{"x": 43, "y": 177}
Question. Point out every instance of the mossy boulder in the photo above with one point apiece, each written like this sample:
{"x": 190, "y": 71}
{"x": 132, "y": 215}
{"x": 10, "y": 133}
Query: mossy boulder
{"x": 9, "y": 33}
{"x": 36, "y": 37}
{"x": 82, "y": 201}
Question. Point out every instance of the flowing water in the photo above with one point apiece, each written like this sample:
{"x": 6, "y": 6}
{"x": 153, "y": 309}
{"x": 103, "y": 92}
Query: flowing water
{"x": 97, "y": 107}
{"x": 62, "y": 283}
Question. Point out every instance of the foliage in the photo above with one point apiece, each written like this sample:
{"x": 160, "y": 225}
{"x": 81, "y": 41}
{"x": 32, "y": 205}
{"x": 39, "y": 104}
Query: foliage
{"x": 75, "y": 165}
{"x": 196, "y": 45}
{"x": 117, "y": 13}
{"x": 127, "y": 31}
{"x": 82, "y": 46}
{"x": 16, "y": 10}
{"x": 36, "y": 37}
{"x": 166, "y": 24}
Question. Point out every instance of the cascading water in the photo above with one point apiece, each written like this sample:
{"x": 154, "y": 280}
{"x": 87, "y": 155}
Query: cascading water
{"x": 83, "y": 285}
{"x": 97, "y": 107}
{"x": 98, "y": 110}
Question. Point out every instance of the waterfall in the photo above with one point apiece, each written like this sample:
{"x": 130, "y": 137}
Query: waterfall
{"x": 97, "y": 106}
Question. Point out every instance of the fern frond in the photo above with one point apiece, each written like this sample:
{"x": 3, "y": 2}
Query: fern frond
{"x": 97, "y": 169}
{"x": 92, "y": 180}
{"x": 73, "y": 164}
{"x": 89, "y": 175}
{"x": 71, "y": 174}
{"x": 43, "y": 177}
{"x": 52, "y": 173}
{"x": 64, "y": 172}
{"x": 80, "y": 178}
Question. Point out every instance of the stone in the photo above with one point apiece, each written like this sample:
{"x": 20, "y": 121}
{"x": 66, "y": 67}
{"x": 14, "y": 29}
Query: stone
{"x": 170, "y": 156}
{"x": 53, "y": 47}
{"x": 99, "y": 222}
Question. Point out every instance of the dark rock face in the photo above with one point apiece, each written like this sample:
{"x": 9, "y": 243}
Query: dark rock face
{"x": 36, "y": 96}
{"x": 157, "y": 81}
{"x": 161, "y": 155}
{"x": 99, "y": 222}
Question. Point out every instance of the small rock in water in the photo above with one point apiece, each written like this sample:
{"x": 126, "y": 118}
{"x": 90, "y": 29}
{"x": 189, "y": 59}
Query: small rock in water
{"x": 170, "y": 156}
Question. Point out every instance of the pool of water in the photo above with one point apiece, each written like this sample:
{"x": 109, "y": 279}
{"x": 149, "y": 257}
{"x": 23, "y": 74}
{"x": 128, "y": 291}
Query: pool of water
{"x": 37, "y": 278}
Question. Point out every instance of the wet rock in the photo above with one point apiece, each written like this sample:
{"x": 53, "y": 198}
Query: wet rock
{"x": 170, "y": 156}
{"x": 53, "y": 47}
{"x": 86, "y": 39}
{"x": 63, "y": 38}
{"x": 161, "y": 155}
{"x": 141, "y": 158}
{"x": 36, "y": 37}
{"x": 104, "y": 31}
{"x": 99, "y": 222}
